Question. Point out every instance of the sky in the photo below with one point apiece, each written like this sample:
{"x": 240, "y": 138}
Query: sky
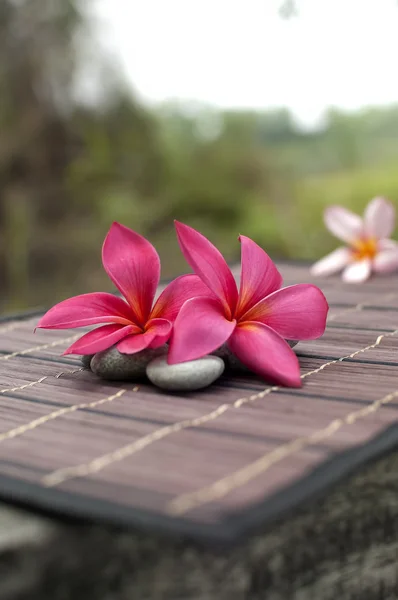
{"x": 241, "y": 53}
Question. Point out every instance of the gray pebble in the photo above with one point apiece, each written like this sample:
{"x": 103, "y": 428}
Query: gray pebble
{"x": 86, "y": 360}
{"x": 187, "y": 376}
{"x": 233, "y": 363}
{"x": 112, "y": 364}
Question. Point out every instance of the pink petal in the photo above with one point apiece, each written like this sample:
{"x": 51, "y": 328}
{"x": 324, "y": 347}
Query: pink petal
{"x": 136, "y": 343}
{"x": 209, "y": 264}
{"x": 379, "y": 218}
{"x": 162, "y": 329}
{"x": 99, "y": 339}
{"x": 133, "y": 265}
{"x": 157, "y": 333}
{"x": 159, "y": 326}
{"x": 176, "y": 293}
{"x": 87, "y": 309}
{"x": 259, "y": 275}
{"x": 387, "y": 245}
{"x": 343, "y": 223}
{"x": 297, "y": 312}
{"x": 332, "y": 263}
{"x": 266, "y": 353}
{"x": 358, "y": 272}
{"x": 386, "y": 261}
{"x": 199, "y": 329}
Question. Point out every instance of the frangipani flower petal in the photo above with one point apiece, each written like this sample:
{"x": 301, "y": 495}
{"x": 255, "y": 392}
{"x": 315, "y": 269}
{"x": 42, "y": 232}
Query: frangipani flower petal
{"x": 176, "y": 293}
{"x": 387, "y": 245}
{"x": 209, "y": 264}
{"x": 379, "y": 218}
{"x": 136, "y": 343}
{"x": 99, "y": 339}
{"x": 133, "y": 265}
{"x": 332, "y": 263}
{"x": 259, "y": 275}
{"x": 386, "y": 261}
{"x": 162, "y": 329}
{"x": 87, "y": 309}
{"x": 344, "y": 224}
{"x": 157, "y": 333}
{"x": 297, "y": 312}
{"x": 200, "y": 328}
{"x": 266, "y": 353}
{"x": 358, "y": 271}
{"x": 370, "y": 249}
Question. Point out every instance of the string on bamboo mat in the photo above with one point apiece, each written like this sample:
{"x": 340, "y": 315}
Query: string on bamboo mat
{"x": 12, "y": 326}
{"x": 359, "y": 307}
{"x": 41, "y": 347}
{"x": 186, "y": 502}
{"x": 38, "y": 381}
{"x": 99, "y": 463}
{"x": 17, "y": 431}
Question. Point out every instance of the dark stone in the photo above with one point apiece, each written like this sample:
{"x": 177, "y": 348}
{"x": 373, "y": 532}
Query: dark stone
{"x": 113, "y": 365}
{"x": 86, "y": 360}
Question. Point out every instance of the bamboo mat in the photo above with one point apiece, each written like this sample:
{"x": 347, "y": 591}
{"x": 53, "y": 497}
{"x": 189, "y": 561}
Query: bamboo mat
{"x": 214, "y": 464}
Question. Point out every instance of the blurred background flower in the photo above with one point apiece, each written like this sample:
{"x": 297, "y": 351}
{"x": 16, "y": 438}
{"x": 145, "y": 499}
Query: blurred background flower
{"x": 368, "y": 245}
{"x": 235, "y": 117}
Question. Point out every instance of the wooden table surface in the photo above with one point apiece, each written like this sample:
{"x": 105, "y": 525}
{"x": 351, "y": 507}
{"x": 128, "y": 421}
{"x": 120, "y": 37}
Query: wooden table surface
{"x": 214, "y": 464}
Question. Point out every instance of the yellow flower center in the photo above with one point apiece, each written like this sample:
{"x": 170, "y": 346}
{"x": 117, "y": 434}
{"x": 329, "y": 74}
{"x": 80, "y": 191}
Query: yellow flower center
{"x": 365, "y": 248}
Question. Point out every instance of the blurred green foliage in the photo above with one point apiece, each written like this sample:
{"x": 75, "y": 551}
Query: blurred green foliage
{"x": 68, "y": 169}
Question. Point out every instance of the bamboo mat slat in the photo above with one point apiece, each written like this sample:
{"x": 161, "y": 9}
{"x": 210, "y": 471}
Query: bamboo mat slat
{"x": 214, "y": 464}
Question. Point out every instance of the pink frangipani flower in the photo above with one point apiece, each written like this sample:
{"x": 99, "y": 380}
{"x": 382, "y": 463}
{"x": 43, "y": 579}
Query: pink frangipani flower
{"x": 256, "y": 321}
{"x": 368, "y": 247}
{"x": 133, "y": 324}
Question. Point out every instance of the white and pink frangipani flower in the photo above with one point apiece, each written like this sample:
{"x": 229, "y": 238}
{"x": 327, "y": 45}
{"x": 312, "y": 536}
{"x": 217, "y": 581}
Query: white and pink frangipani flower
{"x": 368, "y": 245}
{"x": 133, "y": 323}
{"x": 255, "y": 321}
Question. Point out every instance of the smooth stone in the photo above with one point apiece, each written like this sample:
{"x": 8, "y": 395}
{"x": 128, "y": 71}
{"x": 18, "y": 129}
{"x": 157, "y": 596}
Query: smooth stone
{"x": 233, "y": 363}
{"x": 187, "y": 376}
{"x": 86, "y": 360}
{"x": 111, "y": 364}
